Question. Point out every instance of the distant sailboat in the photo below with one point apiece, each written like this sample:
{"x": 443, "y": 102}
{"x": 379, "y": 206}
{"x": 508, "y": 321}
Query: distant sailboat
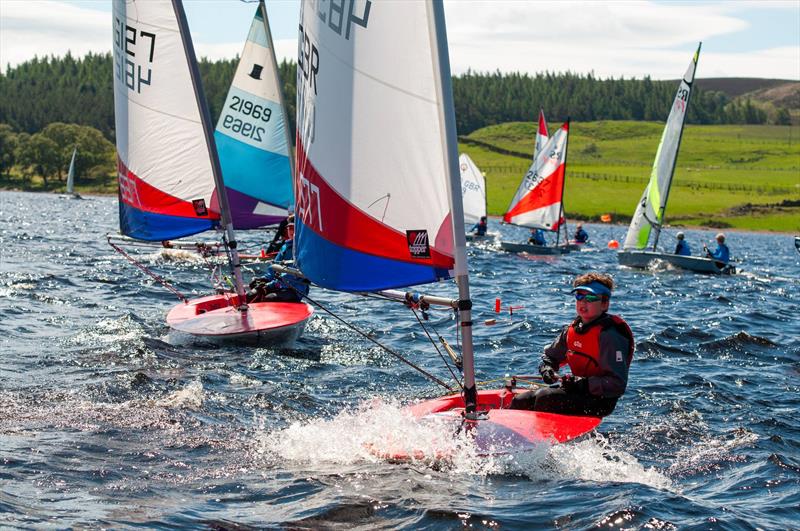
{"x": 538, "y": 203}
{"x": 71, "y": 177}
{"x": 649, "y": 214}
{"x": 379, "y": 202}
{"x": 171, "y": 182}
{"x": 473, "y": 192}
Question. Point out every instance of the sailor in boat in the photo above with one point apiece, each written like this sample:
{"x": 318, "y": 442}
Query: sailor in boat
{"x": 480, "y": 227}
{"x": 597, "y": 346}
{"x": 581, "y": 236}
{"x": 722, "y": 255}
{"x": 280, "y": 287}
{"x": 682, "y": 248}
{"x": 280, "y": 235}
{"x": 537, "y": 237}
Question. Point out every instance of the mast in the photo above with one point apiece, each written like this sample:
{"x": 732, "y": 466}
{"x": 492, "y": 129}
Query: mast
{"x": 208, "y": 131}
{"x": 281, "y": 99}
{"x": 563, "y": 187}
{"x": 678, "y": 147}
{"x": 442, "y": 60}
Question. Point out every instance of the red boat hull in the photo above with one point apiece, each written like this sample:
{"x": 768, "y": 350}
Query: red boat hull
{"x": 215, "y": 317}
{"x": 498, "y": 430}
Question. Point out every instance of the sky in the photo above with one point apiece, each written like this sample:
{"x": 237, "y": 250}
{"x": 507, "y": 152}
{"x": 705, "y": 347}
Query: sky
{"x": 628, "y": 38}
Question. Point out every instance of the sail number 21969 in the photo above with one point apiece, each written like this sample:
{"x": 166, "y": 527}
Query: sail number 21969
{"x": 245, "y": 127}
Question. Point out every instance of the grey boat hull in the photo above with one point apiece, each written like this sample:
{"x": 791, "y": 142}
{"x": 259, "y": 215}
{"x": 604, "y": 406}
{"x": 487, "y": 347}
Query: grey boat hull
{"x": 643, "y": 260}
{"x": 512, "y": 247}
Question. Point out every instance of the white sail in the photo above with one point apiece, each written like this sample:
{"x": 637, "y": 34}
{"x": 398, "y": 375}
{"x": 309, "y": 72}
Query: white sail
{"x": 473, "y": 190}
{"x": 650, "y": 210}
{"x": 71, "y": 173}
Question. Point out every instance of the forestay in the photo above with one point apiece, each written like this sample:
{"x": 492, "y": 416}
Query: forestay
{"x": 538, "y": 201}
{"x": 650, "y": 210}
{"x": 252, "y": 135}
{"x": 166, "y": 184}
{"x": 473, "y": 190}
{"x": 372, "y": 184}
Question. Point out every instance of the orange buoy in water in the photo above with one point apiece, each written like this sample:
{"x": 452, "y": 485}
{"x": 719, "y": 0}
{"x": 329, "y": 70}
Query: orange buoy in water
{"x": 613, "y": 244}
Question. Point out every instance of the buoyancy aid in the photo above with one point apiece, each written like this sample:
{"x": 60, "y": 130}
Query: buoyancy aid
{"x": 583, "y": 343}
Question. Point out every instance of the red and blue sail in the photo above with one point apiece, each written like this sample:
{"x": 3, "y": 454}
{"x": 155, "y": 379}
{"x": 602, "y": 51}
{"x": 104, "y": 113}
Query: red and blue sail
{"x": 371, "y": 185}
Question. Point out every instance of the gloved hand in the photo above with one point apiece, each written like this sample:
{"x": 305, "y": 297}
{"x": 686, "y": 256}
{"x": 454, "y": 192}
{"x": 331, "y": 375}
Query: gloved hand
{"x": 256, "y": 281}
{"x": 548, "y": 375}
{"x": 575, "y": 384}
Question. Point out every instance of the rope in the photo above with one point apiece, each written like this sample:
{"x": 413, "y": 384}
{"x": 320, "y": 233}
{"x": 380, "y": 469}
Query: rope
{"x": 414, "y": 310}
{"x": 366, "y": 336}
{"x": 148, "y": 272}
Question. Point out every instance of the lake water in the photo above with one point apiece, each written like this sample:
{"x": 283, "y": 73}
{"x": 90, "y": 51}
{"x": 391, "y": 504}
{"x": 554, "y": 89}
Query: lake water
{"x": 103, "y": 423}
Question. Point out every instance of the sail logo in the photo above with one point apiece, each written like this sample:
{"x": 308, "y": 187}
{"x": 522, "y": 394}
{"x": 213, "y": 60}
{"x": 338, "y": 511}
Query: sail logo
{"x": 418, "y": 243}
{"x": 309, "y": 209}
{"x": 128, "y": 191}
{"x": 199, "y": 206}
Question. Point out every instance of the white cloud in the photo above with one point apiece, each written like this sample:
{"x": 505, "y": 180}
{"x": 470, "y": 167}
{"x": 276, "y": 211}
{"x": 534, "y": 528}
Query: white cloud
{"x": 618, "y": 38}
{"x": 38, "y": 28}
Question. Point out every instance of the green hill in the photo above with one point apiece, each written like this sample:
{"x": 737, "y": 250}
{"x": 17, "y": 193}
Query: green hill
{"x": 742, "y": 176}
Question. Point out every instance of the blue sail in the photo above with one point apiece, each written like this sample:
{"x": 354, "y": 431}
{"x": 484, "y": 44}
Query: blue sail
{"x": 252, "y": 137}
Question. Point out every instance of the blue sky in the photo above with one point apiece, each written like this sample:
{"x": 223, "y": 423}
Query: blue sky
{"x": 630, "y": 38}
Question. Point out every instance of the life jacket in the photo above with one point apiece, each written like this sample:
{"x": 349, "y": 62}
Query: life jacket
{"x": 583, "y": 343}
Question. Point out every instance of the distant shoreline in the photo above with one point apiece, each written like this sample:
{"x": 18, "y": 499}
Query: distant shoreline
{"x": 496, "y": 218}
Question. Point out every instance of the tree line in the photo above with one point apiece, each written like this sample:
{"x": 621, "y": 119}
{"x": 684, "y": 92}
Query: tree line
{"x": 38, "y": 98}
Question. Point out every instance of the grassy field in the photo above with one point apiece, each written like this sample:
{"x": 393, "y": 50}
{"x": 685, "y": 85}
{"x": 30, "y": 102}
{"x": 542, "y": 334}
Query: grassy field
{"x": 720, "y": 169}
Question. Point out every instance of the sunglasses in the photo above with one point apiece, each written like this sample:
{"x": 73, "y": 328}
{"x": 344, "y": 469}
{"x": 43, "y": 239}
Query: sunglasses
{"x": 588, "y": 297}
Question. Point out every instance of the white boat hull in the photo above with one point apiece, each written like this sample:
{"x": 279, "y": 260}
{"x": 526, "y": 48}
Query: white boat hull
{"x": 529, "y": 248}
{"x": 647, "y": 259}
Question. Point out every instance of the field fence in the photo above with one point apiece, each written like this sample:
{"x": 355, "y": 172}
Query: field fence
{"x": 678, "y": 183}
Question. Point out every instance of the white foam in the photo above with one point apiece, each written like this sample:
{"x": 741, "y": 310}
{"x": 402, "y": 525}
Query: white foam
{"x": 358, "y": 435}
{"x": 190, "y": 397}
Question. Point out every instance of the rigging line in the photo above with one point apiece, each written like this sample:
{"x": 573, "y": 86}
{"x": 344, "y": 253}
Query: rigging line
{"x": 157, "y": 278}
{"x": 437, "y": 348}
{"x": 378, "y": 343}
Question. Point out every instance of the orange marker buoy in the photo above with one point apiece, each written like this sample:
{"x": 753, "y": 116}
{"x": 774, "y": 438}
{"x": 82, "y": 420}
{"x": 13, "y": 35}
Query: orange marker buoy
{"x": 613, "y": 244}
{"x": 497, "y": 306}
{"x": 263, "y": 254}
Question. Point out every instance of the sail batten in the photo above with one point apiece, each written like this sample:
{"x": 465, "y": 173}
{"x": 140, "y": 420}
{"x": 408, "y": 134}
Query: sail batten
{"x": 650, "y": 210}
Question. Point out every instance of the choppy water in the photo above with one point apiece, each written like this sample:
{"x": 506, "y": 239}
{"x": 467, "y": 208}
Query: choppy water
{"x": 105, "y": 424}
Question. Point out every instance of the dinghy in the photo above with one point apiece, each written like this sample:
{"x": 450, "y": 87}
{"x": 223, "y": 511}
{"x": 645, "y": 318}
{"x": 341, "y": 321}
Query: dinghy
{"x": 539, "y": 201}
{"x": 170, "y": 175}
{"x": 379, "y": 201}
{"x": 473, "y": 195}
{"x": 71, "y": 194}
{"x": 649, "y": 214}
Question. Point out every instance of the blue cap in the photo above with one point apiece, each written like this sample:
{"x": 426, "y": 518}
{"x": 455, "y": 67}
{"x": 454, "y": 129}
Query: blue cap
{"x": 594, "y": 287}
